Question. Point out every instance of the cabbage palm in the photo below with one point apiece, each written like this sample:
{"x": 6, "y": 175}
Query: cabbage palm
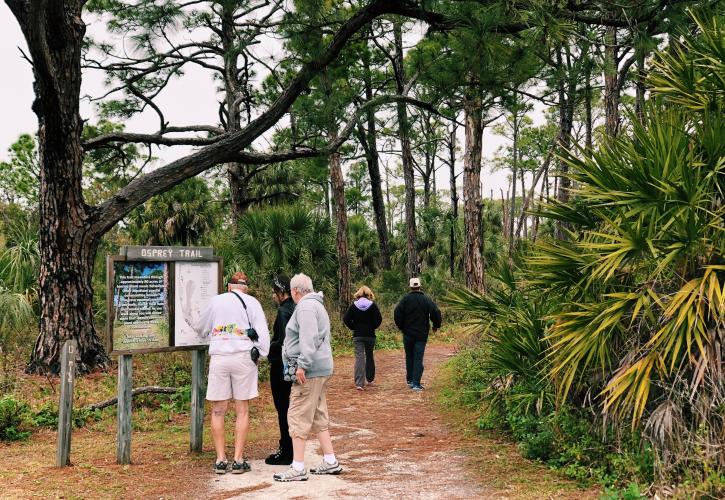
{"x": 284, "y": 239}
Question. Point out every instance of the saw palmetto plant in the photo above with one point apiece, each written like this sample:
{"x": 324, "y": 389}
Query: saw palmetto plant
{"x": 646, "y": 284}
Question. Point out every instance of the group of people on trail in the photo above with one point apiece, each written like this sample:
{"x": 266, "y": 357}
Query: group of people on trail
{"x": 300, "y": 360}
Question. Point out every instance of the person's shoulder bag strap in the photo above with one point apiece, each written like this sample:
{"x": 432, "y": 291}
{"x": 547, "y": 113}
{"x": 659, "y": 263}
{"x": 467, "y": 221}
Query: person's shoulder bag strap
{"x": 246, "y": 311}
{"x": 255, "y": 357}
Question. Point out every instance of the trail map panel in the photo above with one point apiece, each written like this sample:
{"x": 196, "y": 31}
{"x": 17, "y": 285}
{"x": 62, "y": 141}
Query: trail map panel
{"x": 140, "y": 305}
{"x": 195, "y": 283}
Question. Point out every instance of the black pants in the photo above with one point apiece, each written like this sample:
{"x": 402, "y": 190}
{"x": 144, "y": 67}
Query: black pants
{"x": 414, "y": 350}
{"x": 280, "y": 394}
{"x": 364, "y": 360}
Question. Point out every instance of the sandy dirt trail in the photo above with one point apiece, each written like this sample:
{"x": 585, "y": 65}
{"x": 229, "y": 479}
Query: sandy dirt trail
{"x": 389, "y": 440}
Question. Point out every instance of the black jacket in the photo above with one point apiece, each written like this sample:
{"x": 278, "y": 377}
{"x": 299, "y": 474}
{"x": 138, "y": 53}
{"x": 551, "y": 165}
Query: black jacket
{"x": 414, "y": 312}
{"x": 284, "y": 313}
{"x": 363, "y": 323}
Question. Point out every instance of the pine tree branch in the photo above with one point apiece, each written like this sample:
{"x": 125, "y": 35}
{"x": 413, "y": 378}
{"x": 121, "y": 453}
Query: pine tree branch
{"x": 227, "y": 147}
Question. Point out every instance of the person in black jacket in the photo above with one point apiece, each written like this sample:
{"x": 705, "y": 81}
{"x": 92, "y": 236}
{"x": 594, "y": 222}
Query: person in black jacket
{"x": 280, "y": 388}
{"x": 413, "y": 316}
{"x": 363, "y": 317}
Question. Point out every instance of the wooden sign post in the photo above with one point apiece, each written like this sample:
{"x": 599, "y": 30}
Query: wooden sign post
{"x": 65, "y": 407}
{"x": 154, "y": 296}
{"x": 125, "y": 386}
{"x": 198, "y": 362}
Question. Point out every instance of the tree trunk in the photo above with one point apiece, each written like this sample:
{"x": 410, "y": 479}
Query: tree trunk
{"x": 235, "y": 171}
{"x": 567, "y": 87}
{"x": 413, "y": 266}
{"x": 523, "y": 210}
{"x": 238, "y": 190}
{"x": 339, "y": 210}
{"x": 514, "y": 172}
{"x": 426, "y": 190}
{"x": 454, "y": 193}
{"x": 639, "y": 84}
{"x": 588, "y": 105}
{"x": 338, "y": 194}
{"x": 69, "y": 233}
{"x": 472, "y": 259}
{"x": 373, "y": 161}
{"x": 611, "y": 83}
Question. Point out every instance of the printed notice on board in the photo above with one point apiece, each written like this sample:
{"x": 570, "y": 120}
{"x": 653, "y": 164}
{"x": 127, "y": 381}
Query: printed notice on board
{"x": 195, "y": 284}
{"x": 140, "y": 305}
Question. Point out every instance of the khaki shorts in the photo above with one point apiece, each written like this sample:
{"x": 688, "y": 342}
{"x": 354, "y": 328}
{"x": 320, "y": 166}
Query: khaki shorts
{"x": 232, "y": 376}
{"x": 307, "y": 412}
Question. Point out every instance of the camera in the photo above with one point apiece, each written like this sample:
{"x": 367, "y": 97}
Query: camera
{"x": 254, "y": 353}
{"x": 252, "y": 334}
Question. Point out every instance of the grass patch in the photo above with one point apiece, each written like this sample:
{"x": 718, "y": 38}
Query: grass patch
{"x": 492, "y": 454}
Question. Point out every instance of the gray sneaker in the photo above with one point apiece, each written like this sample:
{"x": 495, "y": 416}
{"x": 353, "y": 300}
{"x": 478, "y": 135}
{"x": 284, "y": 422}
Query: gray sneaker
{"x": 326, "y": 468}
{"x": 291, "y": 474}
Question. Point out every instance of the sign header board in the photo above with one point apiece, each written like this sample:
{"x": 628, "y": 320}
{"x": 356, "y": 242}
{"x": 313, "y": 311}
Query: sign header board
{"x": 167, "y": 253}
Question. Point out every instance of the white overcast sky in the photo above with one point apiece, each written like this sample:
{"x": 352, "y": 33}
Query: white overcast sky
{"x": 190, "y": 101}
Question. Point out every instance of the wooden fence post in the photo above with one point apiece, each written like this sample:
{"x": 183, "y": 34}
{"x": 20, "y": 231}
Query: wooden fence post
{"x": 65, "y": 407}
{"x": 198, "y": 362}
{"x": 125, "y": 386}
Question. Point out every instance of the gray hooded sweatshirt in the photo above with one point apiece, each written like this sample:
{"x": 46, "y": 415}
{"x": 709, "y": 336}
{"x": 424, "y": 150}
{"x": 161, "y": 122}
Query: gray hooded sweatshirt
{"x": 307, "y": 337}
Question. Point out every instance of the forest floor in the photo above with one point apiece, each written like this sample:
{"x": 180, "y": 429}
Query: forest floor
{"x": 391, "y": 442}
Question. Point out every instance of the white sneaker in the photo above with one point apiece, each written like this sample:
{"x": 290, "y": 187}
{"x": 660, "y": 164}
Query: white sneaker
{"x": 291, "y": 474}
{"x": 326, "y": 468}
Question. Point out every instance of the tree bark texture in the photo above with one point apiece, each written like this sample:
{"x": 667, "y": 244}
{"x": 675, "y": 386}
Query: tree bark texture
{"x": 338, "y": 194}
{"x": 611, "y": 83}
{"x": 412, "y": 266}
{"x": 514, "y": 173}
{"x": 370, "y": 140}
{"x": 454, "y": 193}
{"x": 68, "y": 233}
{"x": 339, "y": 208}
{"x": 472, "y": 259}
{"x": 567, "y": 90}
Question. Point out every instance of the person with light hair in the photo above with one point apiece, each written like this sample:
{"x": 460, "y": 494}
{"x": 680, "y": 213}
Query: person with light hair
{"x": 363, "y": 318}
{"x": 239, "y": 336}
{"x": 307, "y": 358}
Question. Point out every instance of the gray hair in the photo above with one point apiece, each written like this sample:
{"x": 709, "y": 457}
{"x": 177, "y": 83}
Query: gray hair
{"x": 302, "y": 283}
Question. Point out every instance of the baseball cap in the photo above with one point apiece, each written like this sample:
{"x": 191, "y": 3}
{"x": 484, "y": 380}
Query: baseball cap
{"x": 239, "y": 278}
{"x": 414, "y": 282}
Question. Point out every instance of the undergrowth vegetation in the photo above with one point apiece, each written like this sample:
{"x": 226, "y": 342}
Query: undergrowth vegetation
{"x": 601, "y": 353}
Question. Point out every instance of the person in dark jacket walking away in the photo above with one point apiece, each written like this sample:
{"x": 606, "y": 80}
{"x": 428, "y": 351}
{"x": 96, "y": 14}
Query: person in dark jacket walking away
{"x": 280, "y": 388}
{"x": 363, "y": 318}
{"x": 413, "y": 316}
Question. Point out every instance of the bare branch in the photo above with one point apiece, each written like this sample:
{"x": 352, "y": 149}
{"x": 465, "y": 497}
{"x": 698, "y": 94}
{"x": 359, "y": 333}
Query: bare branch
{"x": 227, "y": 147}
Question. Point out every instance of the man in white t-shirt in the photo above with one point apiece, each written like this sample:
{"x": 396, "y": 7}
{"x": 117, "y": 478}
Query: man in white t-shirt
{"x": 236, "y": 323}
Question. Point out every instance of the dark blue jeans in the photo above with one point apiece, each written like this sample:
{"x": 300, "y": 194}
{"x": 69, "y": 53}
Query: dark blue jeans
{"x": 414, "y": 350}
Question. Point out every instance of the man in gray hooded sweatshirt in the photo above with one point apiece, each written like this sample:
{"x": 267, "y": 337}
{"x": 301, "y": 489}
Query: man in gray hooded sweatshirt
{"x": 307, "y": 346}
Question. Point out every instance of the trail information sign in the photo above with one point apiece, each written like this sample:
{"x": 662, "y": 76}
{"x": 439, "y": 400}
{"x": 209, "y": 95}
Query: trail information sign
{"x": 155, "y": 296}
